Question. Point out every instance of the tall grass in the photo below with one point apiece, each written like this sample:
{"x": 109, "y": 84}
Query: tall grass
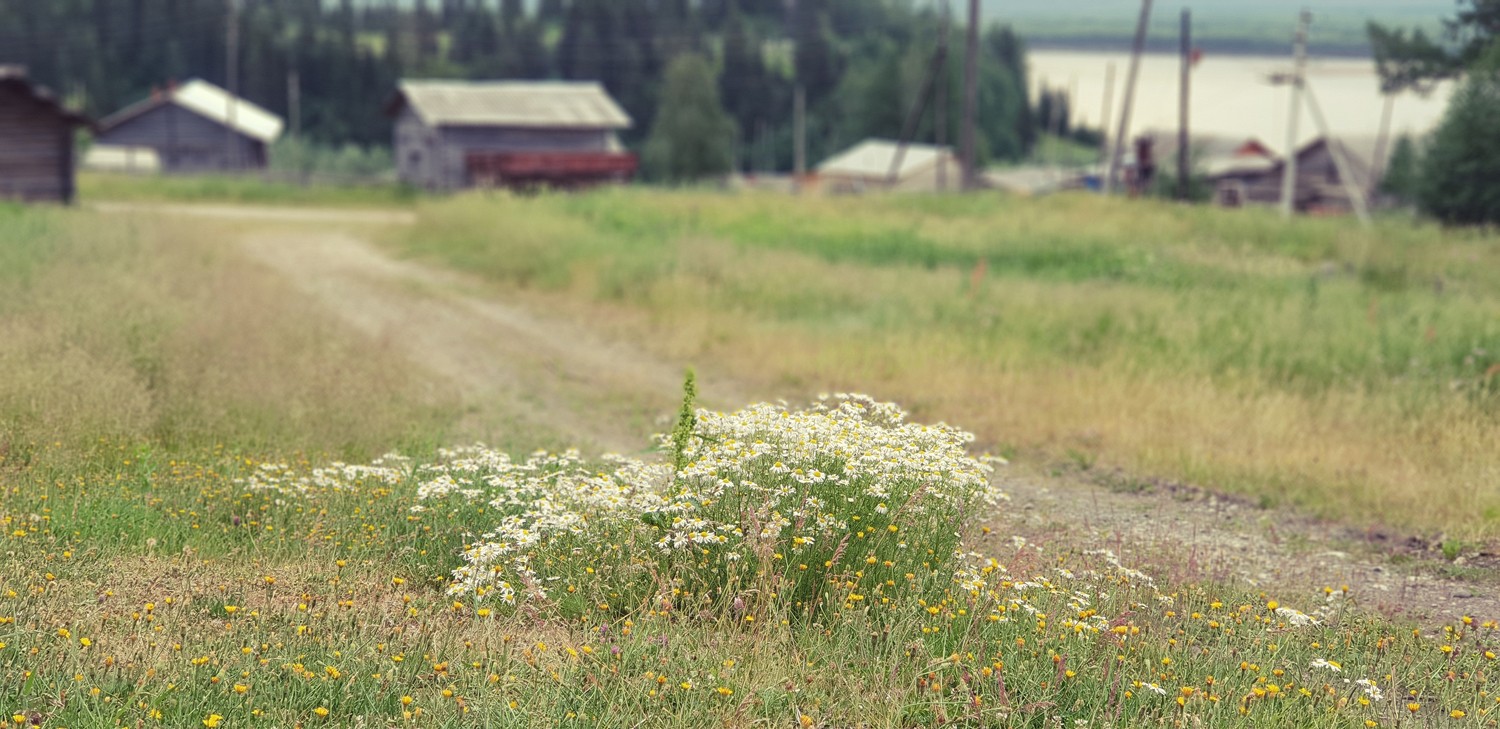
{"x": 159, "y": 573}
{"x": 156, "y": 335}
{"x": 1350, "y": 372}
{"x": 101, "y": 186}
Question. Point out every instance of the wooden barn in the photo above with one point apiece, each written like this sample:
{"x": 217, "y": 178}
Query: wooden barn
{"x": 36, "y": 141}
{"x": 1320, "y": 187}
{"x": 195, "y": 127}
{"x": 454, "y": 134}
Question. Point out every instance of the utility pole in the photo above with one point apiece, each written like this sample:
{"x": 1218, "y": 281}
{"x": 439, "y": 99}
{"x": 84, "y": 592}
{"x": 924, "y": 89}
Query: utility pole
{"x": 1182, "y": 110}
{"x": 294, "y": 102}
{"x": 799, "y": 135}
{"x": 294, "y": 111}
{"x": 969, "y": 141}
{"x": 1130, "y": 76}
{"x": 919, "y": 107}
{"x": 231, "y": 75}
{"x": 1382, "y": 140}
{"x": 1340, "y": 162}
{"x": 940, "y": 133}
{"x": 1109, "y": 93}
{"x": 1299, "y": 72}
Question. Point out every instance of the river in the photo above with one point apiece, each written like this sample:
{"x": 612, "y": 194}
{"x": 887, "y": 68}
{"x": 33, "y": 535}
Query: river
{"x": 1230, "y": 95}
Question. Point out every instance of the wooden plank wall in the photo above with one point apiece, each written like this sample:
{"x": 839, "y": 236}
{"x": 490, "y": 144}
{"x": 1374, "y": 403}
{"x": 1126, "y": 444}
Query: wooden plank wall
{"x": 436, "y": 159}
{"x": 35, "y": 150}
{"x": 416, "y": 151}
{"x": 185, "y": 141}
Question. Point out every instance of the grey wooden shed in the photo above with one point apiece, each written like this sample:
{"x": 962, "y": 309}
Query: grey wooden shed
{"x": 36, "y": 141}
{"x": 455, "y": 134}
{"x": 196, "y": 127}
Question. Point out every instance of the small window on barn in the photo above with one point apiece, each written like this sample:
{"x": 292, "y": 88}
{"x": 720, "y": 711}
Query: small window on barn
{"x": 414, "y": 159}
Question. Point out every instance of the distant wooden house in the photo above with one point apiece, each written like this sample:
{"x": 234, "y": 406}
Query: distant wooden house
{"x": 195, "y": 127}
{"x": 1205, "y": 149}
{"x": 36, "y": 141}
{"x": 455, "y": 134}
{"x": 1234, "y": 166}
{"x": 1320, "y": 187}
{"x": 867, "y": 167}
{"x": 1239, "y": 181}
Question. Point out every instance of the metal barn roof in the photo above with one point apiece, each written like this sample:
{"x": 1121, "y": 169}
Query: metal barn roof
{"x": 533, "y": 104}
{"x": 213, "y": 103}
{"x": 872, "y": 159}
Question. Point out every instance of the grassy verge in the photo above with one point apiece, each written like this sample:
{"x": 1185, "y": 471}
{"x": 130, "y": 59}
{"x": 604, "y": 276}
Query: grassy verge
{"x": 187, "y": 594}
{"x": 100, "y": 186}
{"x": 182, "y": 550}
{"x": 131, "y": 333}
{"x": 1353, "y": 374}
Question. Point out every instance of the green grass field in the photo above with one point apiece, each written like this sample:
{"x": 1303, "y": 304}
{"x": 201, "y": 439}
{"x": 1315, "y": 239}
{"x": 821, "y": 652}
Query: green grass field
{"x": 184, "y": 549}
{"x": 1352, "y": 374}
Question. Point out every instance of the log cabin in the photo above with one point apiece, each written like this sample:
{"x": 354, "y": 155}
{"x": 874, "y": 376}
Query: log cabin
{"x": 36, "y": 141}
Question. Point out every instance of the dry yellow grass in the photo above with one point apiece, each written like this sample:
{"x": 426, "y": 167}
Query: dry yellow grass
{"x": 1313, "y": 364}
{"x": 159, "y": 333}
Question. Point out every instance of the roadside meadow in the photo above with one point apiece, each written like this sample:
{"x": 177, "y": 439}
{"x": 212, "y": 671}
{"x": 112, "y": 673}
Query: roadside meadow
{"x": 222, "y": 508}
{"x": 1354, "y": 375}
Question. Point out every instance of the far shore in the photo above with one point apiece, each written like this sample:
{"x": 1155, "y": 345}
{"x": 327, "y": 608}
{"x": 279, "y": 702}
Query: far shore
{"x": 1210, "y": 45}
{"x": 1160, "y": 42}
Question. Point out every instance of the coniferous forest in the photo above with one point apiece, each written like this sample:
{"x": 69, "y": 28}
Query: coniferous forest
{"x": 861, "y": 62}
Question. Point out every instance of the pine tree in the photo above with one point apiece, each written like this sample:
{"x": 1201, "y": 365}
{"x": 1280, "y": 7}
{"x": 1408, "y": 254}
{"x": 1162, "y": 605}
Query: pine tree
{"x": 348, "y": 31}
{"x": 535, "y": 63}
{"x": 692, "y": 136}
{"x": 678, "y": 31}
{"x": 877, "y": 97}
{"x": 1401, "y": 181}
{"x": 816, "y": 62}
{"x": 768, "y": 9}
{"x": 475, "y": 37}
{"x": 715, "y": 13}
{"x": 744, "y": 83}
{"x": 425, "y": 29}
{"x": 580, "y": 50}
{"x": 552, "y": 11}
{"x": 1460, "y": 179}
{"x": 512, "y": 12}
{"x": 1006, "y": 56}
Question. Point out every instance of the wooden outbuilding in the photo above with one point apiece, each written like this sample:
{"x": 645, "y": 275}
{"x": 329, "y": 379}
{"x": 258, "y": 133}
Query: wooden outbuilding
{"x": 196, "y": 127}
{"x": 866, "y": 167}
{"x": 36, "y": 141}
{"x": 1321, "y": 187}
{"x": 455, "y": 134}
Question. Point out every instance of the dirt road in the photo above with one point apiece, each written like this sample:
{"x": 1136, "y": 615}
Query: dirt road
{"x": 585, "y": 387}
{"x": 520, "y": 368}
{"x": 591, "y": 389}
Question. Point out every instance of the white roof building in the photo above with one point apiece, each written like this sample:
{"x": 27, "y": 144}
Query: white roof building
{"x": 196, "y": 127}
{"x": 867, "y": 166}
{"x": 212, "y": 103}
{"x": 512, "y": 104}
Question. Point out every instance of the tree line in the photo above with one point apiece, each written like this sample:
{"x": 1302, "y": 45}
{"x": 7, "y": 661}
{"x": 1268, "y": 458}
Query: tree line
{"x": 860, "y": 62}
{"x": 1453, "y": 174}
